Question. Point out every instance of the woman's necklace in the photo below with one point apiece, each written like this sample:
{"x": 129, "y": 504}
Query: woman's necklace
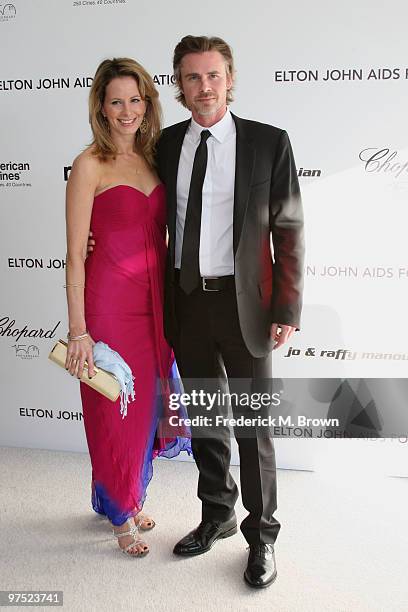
{"x": 135, "y": 167}
{"x": 139, "y": 169}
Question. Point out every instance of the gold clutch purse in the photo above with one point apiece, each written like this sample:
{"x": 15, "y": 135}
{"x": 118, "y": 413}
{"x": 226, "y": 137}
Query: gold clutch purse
{"x": 104, "y": 382}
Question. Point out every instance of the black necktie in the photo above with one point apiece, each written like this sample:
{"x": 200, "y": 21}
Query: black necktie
{"x": 190, "y": 265}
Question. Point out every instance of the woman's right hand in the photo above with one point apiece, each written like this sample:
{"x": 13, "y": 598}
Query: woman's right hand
{"x": 78, "y": 352}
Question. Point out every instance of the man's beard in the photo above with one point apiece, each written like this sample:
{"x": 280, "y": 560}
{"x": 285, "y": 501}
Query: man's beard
{"x": 203, "y": 112}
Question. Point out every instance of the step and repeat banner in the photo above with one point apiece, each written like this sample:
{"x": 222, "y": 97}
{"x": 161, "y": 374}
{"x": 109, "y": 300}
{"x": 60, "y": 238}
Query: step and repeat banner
{"x": 334, "y": 76}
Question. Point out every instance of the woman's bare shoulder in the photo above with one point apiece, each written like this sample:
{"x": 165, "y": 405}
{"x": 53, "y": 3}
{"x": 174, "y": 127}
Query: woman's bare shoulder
{"x": 86, "y": 168}
{"x": 87, "y": 161}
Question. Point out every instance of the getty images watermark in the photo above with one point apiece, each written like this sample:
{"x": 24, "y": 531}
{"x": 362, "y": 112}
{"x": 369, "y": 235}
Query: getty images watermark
{"x": 243, "y": 402}
{"x": 287, "y": 407}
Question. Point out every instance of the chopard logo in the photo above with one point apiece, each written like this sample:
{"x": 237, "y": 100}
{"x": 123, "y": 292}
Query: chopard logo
{"x": 7, "y": 328}
{"x": 26, "y": 352}
{"x": 7, "y": 11}
{"x": 384, "y": 161}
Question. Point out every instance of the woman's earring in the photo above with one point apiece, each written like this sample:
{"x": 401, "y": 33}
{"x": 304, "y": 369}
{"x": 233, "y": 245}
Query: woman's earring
{"x": 143, "y": 127}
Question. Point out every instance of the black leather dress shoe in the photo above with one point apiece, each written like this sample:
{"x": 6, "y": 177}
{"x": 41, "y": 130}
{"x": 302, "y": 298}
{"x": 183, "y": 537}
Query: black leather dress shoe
{"x": 261, "y": 568}
{"x": 202, "y": 539}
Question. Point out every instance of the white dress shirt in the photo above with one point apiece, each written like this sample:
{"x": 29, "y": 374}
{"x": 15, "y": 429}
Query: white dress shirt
{"x": 216, "y": 255}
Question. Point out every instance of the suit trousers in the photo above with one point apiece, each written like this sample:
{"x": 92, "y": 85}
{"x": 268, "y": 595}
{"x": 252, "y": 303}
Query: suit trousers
{"x": 210, "y": 353}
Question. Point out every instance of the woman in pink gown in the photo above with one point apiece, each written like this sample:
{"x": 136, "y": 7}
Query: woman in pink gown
{"x": 116, "y": 294}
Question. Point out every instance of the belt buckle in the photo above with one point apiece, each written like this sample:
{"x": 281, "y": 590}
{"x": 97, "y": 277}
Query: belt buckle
{"x": 204, "y": 279}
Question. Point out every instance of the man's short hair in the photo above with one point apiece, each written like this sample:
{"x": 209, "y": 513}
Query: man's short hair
{"x": 201, "y": 44}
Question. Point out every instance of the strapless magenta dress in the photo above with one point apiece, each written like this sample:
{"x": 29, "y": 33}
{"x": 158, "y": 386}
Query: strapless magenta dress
{"x": 124, "y": 308}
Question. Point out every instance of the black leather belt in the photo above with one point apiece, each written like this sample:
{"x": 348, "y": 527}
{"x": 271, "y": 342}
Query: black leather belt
{"x": 212, "y": 283}
{"x": 216, "y": 283}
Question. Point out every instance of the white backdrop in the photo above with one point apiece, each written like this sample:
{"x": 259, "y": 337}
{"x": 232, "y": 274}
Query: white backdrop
{"x": 333, "y": 75}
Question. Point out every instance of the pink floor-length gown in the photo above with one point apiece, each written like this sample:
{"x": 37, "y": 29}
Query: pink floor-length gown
{"x": 124, "y": 279}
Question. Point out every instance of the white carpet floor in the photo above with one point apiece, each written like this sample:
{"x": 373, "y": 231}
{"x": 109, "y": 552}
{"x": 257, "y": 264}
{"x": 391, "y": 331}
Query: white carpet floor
{"x": 342, "y": 547}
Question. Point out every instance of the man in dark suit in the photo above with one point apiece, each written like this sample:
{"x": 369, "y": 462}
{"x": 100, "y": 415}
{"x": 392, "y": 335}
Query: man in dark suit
{"x": 230, "y": 296}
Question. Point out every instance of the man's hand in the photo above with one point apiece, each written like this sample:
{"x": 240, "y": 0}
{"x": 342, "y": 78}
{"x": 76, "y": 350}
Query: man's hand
{"x": 90, "y": 245}
{"x": 281, "y": 333}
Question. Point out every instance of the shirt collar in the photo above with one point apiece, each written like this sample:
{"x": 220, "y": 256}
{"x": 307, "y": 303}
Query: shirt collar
{"x": 220, "y": 130}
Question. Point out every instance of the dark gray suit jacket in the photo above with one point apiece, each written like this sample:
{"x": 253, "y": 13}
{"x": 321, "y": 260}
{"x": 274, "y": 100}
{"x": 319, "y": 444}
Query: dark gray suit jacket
{"x": 266, "y": 201}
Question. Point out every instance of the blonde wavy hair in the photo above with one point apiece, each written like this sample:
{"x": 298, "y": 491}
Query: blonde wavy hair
{"x": 102, "y": 144}
{"x": 201, "y": 44}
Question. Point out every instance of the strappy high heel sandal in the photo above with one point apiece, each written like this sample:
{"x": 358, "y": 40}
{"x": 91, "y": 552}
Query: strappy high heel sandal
{"x": 136, "y": 541}
{"x": 144, "y": 522}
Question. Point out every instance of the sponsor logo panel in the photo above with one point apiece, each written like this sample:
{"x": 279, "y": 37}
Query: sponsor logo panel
{"x": 340, "y": 75}
{"x": 36, "y": 263}
{"x": 301, "y": 172}
{"x": 21, "y": 335}
{"x": 352, "y": 272}
{"x": 383, "y": 160}
{"x": 8, "y": 12}
{"x": 15, "y": 174}
{"x": 48, "y": 83}
{"x": 24, "y": 351}
{"x": 343, "y": 354}
{"x": 97, "y": 3}
{"x": 46, "y": 414}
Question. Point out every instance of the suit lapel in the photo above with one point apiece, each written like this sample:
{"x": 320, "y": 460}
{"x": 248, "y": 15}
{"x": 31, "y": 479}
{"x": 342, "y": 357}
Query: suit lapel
{"x": 244, "y": 165}
{"x": 173, "y": 157}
